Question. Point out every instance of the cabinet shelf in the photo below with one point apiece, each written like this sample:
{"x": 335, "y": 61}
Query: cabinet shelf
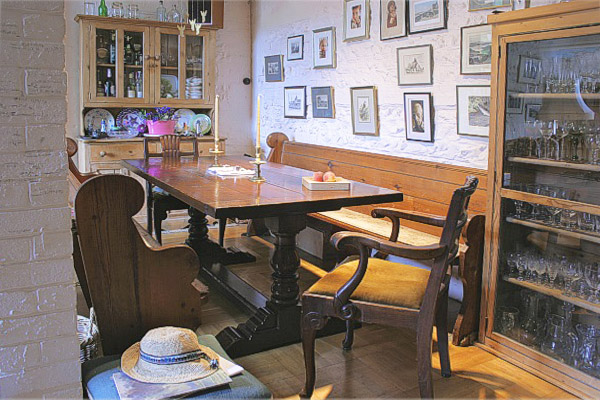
{"x": 556, "y": 293}
{"x": 555, "y": 164}
{"x": 588, "y": 237}
{"x": 169, "y": 68}
{"x": 559, "y": 96}
{"x": 105, "y": 65}
{"x": 134, "y": 66}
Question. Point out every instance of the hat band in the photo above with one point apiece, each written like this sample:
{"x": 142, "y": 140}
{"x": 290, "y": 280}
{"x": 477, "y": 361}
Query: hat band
{"x": 179, "y": 358}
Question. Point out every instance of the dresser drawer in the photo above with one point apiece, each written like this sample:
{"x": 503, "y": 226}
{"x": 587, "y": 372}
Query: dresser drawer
{"x": 116, "y": 151}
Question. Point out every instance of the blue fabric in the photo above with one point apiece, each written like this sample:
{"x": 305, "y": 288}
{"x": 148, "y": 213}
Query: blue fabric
{"x": 97, "y": 379}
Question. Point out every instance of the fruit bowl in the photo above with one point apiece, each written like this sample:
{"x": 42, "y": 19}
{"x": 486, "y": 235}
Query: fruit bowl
{"x": 339, "y": 184}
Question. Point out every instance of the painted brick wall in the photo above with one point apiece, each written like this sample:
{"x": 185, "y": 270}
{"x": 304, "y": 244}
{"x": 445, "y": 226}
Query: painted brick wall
{"x": 39, "y": 349}
{"x": 366, "y": 63}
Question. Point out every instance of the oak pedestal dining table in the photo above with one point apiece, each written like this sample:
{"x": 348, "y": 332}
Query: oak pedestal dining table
{"x": 283, "y": 203}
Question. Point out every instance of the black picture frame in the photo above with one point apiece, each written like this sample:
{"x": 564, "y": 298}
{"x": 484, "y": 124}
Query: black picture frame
{"x": 444, "y": 25}
{"x": 428, "y": 135}
{"x": 301, "y": 57}
{"x": 317, "y": 111}
{"x": 463, "y": 68}
{"x": 274, "y": 76}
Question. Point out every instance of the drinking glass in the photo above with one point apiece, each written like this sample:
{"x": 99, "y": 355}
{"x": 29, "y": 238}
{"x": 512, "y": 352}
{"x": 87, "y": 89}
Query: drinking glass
{"x": 521, "y": 266}
{"x": 552, "y": 268}
{"x": 509, "y": 321}
{"x": 89, "y": 7}
{"x": 562, "y": 132}
{"x": 116, "y": 9}
{"x": 586, "y": 357}
{"x": 530, "y": 325}
{"x": 591, "y": 273}
{"x": 538, "y": 266}
{"x": 132, "y": 11}
{"x": 553, "y": 212}
{"x": 559, "y": 342}
{"x": 572, "y": 274}
{"x": 585, "y": 221}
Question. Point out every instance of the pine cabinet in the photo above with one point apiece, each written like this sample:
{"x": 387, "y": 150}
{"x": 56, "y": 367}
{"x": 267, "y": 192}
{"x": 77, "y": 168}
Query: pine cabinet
{"x": 139, "y": 63}
{"x": 541, "y": 303}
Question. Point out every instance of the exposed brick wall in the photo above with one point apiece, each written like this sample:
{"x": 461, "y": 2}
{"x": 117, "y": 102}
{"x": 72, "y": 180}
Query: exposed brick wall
{"x": 39, "y": 349}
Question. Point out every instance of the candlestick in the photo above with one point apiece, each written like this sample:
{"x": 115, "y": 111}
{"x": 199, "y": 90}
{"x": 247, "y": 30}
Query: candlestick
{"x": 258, "y": 124}
{"x": 257, "y": 163}
{"x": 216, "y": 118}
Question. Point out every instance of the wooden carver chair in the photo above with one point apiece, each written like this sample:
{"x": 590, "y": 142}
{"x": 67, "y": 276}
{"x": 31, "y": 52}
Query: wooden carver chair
{"x": 373, "y": 290}
{"x": 135, "y": 285}
{"x": 159, "y": 202}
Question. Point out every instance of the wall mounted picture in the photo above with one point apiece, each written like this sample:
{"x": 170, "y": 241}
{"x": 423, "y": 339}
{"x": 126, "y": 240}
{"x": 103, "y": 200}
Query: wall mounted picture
{"x": 294, "y": 102}
{"x": 473, "y": 110}
{"x": 532, "y": 111}
{"x": 476, "y": 50}
{"x": 415, "y": 65}
{"x": 530, "y": 70}
{"x": 324, "y": 48}
{"x": 274, "y": 68}
{"x": 323, "y": 105}
{"x": 476, "y": 5}
{"x": 356, "y": 20}
{"x": 365, "y": 119}
{"x": 514, "y": 103}
{"x": 427, "y": 15}
{"x": 295, "y": 48}
{"x": 393, "y": 19}
{"x": 418, "y": 117}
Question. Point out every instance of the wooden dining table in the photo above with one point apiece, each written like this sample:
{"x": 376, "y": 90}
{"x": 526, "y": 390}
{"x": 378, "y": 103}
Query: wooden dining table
{"x": 283, "y": 203}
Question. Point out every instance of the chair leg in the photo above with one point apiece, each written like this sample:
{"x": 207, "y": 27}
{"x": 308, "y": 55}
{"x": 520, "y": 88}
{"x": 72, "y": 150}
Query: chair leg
{"x": 222, "y": 226}
{"x": 424, "y": 361}
{"x": 159, "y": 216}
{"x": 311, "y": 323}
{"x": 441, "y": 323}
{"x": 349, "y": 339}
{"x": 149, "y": 201}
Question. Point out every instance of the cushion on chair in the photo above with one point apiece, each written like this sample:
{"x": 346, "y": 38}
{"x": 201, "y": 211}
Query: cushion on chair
{"x": 97, "y": 379}
{"x": 385, "y": 282}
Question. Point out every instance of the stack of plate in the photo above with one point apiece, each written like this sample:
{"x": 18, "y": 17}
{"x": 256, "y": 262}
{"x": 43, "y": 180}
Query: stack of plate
{"x": 193, "y": 88}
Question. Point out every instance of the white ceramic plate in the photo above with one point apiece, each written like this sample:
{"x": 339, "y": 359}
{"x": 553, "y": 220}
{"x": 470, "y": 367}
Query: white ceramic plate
{"x": 174, "y": 83}
{"x": 203, "y": 122}
{"x": 95, "y": 116}
{"x": 184, "y": 116}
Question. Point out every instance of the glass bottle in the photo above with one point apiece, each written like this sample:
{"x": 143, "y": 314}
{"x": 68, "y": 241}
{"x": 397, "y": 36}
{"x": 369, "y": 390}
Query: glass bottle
{"x": 102, "y": 9}
{"x": 112, "y": 49}
{"x": 174, "y": 15}
{"x": 161, "y": 12}
{"x": 131, "y": 86}
{"x": 139, "y": 87}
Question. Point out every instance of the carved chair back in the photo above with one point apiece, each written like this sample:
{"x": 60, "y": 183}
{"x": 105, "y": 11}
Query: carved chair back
{"x": 170, "y": 146}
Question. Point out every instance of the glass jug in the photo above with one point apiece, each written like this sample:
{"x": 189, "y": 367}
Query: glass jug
{"x": 530, "y": 325}
{"x": 559, "y": 342}
{"x": 586, "y": 357}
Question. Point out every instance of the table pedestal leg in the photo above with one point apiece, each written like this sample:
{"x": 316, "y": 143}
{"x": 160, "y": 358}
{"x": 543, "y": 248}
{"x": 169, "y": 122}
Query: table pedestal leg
{"x": 208, "y": 251}
{"x": 278, "y": 323}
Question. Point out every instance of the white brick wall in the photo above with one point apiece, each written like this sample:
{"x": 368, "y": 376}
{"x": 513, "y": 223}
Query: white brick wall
{"x": 39, "y": 349}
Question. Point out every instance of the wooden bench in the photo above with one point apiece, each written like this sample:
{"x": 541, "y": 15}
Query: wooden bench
{"x": 427, "y": 188}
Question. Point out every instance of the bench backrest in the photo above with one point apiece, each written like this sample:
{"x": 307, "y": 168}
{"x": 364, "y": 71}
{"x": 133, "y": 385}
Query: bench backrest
{"x": 427, "y": 186}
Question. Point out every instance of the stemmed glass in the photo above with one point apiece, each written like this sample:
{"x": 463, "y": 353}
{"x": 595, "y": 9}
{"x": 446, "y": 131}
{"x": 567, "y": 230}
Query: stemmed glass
{"x": 546, "y": 130}
{"x": 521, "y": 266}
{"x": 553, "y": 192}
{"x": 552, "y": 269}
{"x": 591, "y": 274}
{"x": 572, "y": 274}
{"x": 561, "y": 134}
{"x": 538, "y": 265}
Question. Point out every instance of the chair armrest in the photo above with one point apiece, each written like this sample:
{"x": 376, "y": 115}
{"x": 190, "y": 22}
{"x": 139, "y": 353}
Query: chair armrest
{"x": 395, "y": 214}
{"x": 357, "y": 241}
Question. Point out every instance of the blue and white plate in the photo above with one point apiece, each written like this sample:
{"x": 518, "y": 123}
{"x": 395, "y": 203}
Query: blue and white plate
{"x": 130, "y": 119}
{"x": 184, "y": 116}
{"x": 95, "y": 116}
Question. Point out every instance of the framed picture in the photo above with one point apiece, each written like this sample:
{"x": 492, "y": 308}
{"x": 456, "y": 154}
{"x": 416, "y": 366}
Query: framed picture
{"x": 476, "y": 5}
{"x": 476, "y": 50}
{"x": 294, "y": 102}
{"x": 324, "y": 48}
{"x": 415, "y": 65}
{"x": 427, "y": 15}
{"x": 365, "y": 119}
{"x": 532, "y": 111}
{"x": 514, "y": 103}
{"x": 323, "y": 105}
{"x": 274, "y": 68}
{"x": 356, "y": 20}
{"x": 418, "y": 117}
{"x": 530, "y": 70}
{"x": 473, "y": 110}
{"x": 295, "y": 48}
{"x": 393, "y": 19}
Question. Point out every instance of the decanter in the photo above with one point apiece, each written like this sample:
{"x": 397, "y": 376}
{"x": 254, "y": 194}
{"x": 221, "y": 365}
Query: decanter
{"x": 174, "y": 15}
{"x": 161, "y": 12}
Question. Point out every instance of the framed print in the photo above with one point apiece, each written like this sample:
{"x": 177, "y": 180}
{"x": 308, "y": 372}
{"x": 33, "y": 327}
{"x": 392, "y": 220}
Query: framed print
{"x": 415, "y": 65}
{"x": 294, "y": 102}
{"x": 418, "y": 117}
{"x": 274, "y": 68}
{"x": 530, "y": 70}
{"x": 324, "y": 48}
{"x": 532, "y": 111}
{"x": 323, "y": 105}
{"x": 427, "y": 15}
{"x": 473, "y": 110}
{"x": 365, "y": 119}
{"x": 356, "y": 20}
{"x": 476, "y": 5}
{"x": 514, "y": 103}
{"x": 295, "y": 48}
{"x": 393, "y": 19}
{"x": 476, "y": 50}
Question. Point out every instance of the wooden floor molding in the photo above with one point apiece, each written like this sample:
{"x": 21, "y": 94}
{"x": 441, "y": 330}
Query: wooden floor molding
{"x": 382, "y": 363}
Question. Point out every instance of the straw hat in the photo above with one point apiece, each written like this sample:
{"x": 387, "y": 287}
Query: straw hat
{"x": 169, "y": 355}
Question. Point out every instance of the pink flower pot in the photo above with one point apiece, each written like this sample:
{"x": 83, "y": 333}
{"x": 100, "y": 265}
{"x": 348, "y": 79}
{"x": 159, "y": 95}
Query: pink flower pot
{"x": 161, "y": 127}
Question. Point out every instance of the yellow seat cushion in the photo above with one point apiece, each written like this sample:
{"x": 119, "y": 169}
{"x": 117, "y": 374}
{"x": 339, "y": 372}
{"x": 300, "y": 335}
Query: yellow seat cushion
{"x": 385, "y": 282}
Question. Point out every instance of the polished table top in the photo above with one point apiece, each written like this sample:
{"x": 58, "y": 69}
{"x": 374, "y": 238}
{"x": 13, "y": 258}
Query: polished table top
{"x": 188, "y": 180}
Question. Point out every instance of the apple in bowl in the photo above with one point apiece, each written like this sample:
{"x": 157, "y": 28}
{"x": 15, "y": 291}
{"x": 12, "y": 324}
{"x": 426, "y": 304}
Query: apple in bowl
{"x": 329, "y": 176}
{"x": 318, "y": 176}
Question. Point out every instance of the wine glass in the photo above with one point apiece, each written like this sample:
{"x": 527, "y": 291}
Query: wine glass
{"x": 521, "y": 266}
{"x": 572, "y": 274}
{"x": 552, "y": 268}
{"x": 592, "y": 278}
{"x": 562, "y": 132}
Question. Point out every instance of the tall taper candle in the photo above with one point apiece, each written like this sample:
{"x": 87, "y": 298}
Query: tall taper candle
{"x": 217, "y": 118}
{"x": 258, "y": 123}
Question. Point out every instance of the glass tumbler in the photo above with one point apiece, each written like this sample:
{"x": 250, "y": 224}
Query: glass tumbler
{"x": 89, "y": 8}
{"x": 132, "y": 11}
{"x": 116, "y": 9}
{"x": 509, "y": 321}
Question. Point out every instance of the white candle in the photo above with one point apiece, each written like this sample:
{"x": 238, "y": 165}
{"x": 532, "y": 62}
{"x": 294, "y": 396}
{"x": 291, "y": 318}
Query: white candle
{"x": 217, "y": 119}
{"x": 258, "y": 123}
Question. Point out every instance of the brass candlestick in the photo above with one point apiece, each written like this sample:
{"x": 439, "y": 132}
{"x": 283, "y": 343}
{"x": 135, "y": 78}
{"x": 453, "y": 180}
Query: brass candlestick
{"x": 216, "y": 152}
{"x": 258, "y": 162}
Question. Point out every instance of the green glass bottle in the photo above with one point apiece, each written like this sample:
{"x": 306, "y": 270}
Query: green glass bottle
{"x": 102, "y": 9}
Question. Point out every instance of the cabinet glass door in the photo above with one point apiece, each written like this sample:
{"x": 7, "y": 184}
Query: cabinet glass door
{"x": 134, "y": 80}
{"x": 169, "y": 54}
{"x": 103, "y": 65}
{"x": 194, "y": 67}
{"x": 548, "y": 257}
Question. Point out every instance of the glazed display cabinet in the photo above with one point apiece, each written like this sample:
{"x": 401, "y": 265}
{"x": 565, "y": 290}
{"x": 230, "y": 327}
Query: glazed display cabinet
{"x": 541, "y": 301}
{"x": 137, "y": 63}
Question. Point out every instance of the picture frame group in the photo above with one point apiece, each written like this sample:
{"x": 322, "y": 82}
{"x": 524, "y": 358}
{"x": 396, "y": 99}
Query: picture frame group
{"x": 294, "y": 102}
